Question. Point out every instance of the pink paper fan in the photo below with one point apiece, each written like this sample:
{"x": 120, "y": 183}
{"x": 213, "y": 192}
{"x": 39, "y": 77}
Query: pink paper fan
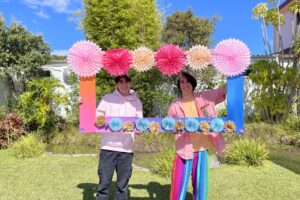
{"x": 231, "y": 57}
{"x": 117, "y": 61}
{"x": 85, "y": 58}
{"x": 170, "y": 59}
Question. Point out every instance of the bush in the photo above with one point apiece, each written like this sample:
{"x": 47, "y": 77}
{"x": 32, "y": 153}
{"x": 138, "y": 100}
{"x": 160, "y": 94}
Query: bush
{"x": 246, "y": 152}
{"x": 28, "y": 147}
{"x": 2, "y": 112}
{"x": 40, "y": 106}
{"x": 265, "y": 133}
{"x": 292, "y": 124}
{"x": 163, "y": 162}
{"x": 11, "y": 129}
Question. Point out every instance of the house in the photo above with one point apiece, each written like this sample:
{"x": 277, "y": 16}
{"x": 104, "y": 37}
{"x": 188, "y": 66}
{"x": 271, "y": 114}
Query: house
{"x": 59, "y": 70}
{"x": 288, "y": 30}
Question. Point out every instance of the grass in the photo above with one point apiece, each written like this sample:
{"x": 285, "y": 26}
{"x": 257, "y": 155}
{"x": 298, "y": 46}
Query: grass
{"x": 76, "y": 178}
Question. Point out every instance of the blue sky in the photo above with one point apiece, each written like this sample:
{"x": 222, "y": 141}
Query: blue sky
{"x": 50, "y": 18}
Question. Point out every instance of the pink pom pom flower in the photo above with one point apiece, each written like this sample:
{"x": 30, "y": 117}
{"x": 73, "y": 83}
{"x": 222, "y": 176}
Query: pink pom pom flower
{"x": 170, "y": 59}
{"x": 117, "y": 61}
{"x": 231, "y": 57}
{"x": 85, "y": 58}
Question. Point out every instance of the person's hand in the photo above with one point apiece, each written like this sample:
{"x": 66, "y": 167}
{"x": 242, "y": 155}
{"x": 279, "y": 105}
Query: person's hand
{"x": 80, "y": 100}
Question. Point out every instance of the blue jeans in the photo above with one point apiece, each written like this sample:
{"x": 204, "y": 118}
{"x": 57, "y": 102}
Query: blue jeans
{"x": 110, "y": 161}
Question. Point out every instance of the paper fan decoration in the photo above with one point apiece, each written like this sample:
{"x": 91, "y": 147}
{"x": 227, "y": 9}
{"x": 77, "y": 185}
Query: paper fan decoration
{"x": 168, "y": 123}
{"x": 231, "y": 57}
{"x": 85, "y": 58}
{"x": 198, "y": 57}
{"x": 216, "y": 125}
{"x": 191, "y": 124}
{"x": 115, "y": 124}
{"x": 116, "y": 62}
{"x": 143, "y": 59}
{"x": 170, "y": 59}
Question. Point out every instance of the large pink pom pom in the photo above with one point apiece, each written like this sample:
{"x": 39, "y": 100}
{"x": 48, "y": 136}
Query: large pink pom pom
{"x": 231, "y": 57}
{"x": 117, "y": 61}
{"x": 84, "y": 58}
{"x": 170, "y": 59}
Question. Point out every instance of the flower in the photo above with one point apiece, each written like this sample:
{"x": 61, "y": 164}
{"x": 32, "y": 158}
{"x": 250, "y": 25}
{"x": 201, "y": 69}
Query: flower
{"x": 191, "y": 124}
{"x": 85, "y": 58}
{"x": 115, "y": 124}
{"x": 198, "y": 57}
{"x": 229, "y": 127}
{"x": 204, "y": 126}
{"x": 231, "y": 57}
{"x": 142, "y": 124}
{"x": 217, "y": 125}
{"x": 170, "y": 59}
{"x": 128, "y": 126}
{"x": 179, "y": 125}
{"x": 143, "y": 59}
{"x": 117, "y": 61}
{"x": 168, "y": 123}
{"x": 154, "y": 128}
{"x": 100, "y": 121}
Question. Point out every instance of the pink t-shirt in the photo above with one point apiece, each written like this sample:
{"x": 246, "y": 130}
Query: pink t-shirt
{"x": 116, "y": 105}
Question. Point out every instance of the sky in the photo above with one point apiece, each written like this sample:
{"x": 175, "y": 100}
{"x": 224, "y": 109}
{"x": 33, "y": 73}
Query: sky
{"x": 51, "y": 18}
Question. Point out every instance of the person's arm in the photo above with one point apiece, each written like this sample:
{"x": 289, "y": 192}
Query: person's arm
{"x": 101, "y": 108}
{"x": 139, "y": 109}
{"x": 217, "y": 95}
{"x": 171, "y": 111}
{"x": 220, "y": 95}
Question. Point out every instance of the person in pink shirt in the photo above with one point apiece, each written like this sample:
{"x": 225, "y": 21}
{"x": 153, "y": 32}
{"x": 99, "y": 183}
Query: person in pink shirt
{"x": 116, "y": 151}
{"x": 192, "y": 148}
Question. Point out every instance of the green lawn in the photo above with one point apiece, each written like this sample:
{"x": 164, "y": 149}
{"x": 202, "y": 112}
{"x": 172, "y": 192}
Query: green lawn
{"x": 70, "y": 178}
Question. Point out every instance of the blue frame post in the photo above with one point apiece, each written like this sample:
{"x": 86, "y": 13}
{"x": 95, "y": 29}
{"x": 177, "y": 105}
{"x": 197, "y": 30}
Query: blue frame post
{"x": 235, "y": 101}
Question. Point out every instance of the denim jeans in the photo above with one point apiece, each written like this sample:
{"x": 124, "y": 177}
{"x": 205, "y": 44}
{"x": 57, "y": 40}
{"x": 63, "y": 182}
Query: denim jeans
{"x": 110, "y": 161}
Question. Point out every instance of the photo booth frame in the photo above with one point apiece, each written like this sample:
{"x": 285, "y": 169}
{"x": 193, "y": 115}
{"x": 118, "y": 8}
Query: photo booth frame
{"x": 230, "y": 57}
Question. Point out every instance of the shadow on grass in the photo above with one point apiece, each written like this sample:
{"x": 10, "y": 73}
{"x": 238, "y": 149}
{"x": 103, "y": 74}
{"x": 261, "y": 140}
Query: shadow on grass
{"x": 155, "y": 191}
{"x": 290, "y": 161}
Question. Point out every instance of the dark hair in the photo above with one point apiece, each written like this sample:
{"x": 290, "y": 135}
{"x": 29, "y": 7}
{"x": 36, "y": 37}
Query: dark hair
{"x": 190, "y": 79}
{"x": 127, "y": 78}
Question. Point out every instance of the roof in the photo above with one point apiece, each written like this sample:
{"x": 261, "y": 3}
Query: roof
{"x": 55, "y": 63}
{"x": 285, "y": 4}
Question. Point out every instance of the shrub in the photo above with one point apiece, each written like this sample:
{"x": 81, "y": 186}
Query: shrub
{"x": 163, "y": 162}
{"x": 11, "y": 129}
{"x": 263, "y": 132}
{"x": 40, "y": 106}
{"x": 2, "y": 112}
{"x": 246, "y": 152}
{"x": 292, "y": 124}
{"x": 28, "y": 147}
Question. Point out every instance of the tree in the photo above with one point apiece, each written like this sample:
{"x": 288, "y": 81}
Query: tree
{"x": 277, "y": 78}
{"x": 20, "y": 56}
{"x": 275, "y": 84}
{"x": 122, "y": 23}
{"x": 128, "y": 24}
{"x": 186, "y": 30}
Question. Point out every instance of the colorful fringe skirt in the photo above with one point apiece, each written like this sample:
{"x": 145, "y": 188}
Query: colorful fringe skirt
{"x": 182, "y": 169}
